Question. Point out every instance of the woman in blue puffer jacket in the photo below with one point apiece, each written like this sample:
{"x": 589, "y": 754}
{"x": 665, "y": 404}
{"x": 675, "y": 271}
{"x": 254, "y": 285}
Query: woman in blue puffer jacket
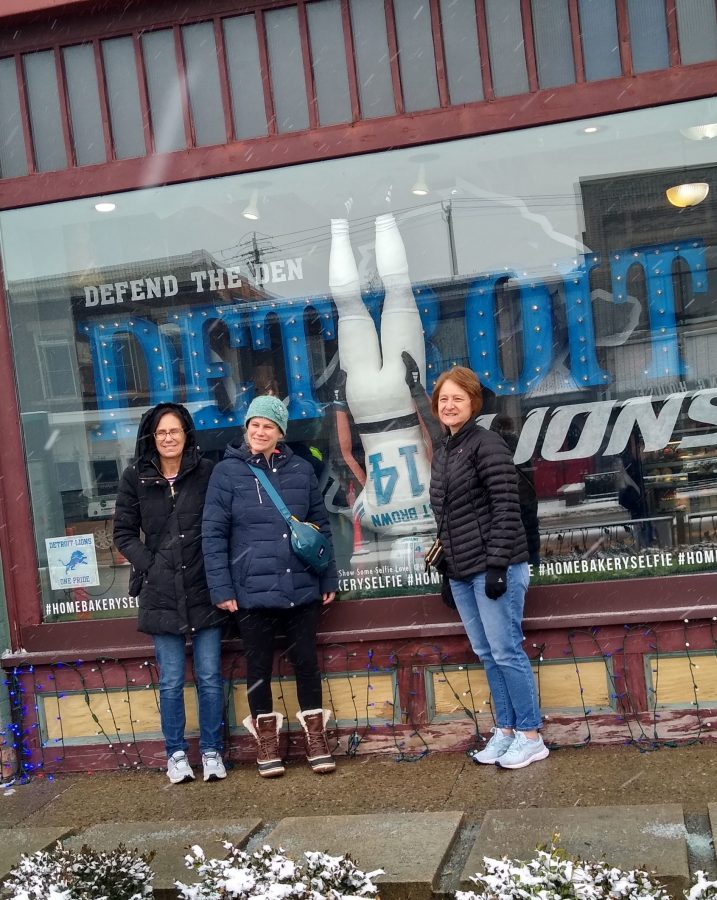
{"x": 251, "y": 568}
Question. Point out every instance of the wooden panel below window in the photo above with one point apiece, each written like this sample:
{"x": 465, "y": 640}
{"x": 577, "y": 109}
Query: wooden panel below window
{"x": 120, "y": 715}
{"x": 456, "y": 689}
{"x": 682, "y": 680}
{"x": 352, "y": 697}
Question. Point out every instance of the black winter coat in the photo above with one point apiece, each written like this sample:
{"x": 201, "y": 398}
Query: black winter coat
{"x": 473, "y": 476}
{"x": 174, "y": 598}
{"x": 247, "y": 545}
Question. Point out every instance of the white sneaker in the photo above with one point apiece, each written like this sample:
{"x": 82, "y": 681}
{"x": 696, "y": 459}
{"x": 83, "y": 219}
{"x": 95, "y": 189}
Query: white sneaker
{"x": 178, "y": 768}
{"x": 213, "y": 766}
{"x": 494, "y": 749}
{"x": 522, "y": 752}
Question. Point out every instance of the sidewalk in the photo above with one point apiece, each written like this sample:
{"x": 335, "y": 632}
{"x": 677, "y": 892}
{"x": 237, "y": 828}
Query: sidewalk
{"x": 425, "y": 822}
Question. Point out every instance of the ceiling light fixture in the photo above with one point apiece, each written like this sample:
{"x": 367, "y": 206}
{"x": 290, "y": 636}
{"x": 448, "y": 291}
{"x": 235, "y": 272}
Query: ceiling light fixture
{"x": 700, "y": 132}
{"x": 687, "y": 194}
{"x": 420, "y": 188}
{"x": 251, "y": 210}
{"x": 105, "y": 206}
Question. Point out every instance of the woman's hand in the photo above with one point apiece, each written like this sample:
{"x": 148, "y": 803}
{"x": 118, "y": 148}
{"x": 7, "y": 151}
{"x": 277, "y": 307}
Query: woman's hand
{"x": 228, "y": 605}
{"x": 328, "y": 598}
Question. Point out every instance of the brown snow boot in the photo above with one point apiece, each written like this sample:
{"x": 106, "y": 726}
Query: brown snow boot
{"x": 266, "y": 728}
{"x": 319, "y": 757}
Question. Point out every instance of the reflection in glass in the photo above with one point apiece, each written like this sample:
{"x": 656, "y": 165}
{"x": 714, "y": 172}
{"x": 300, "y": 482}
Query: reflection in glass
{"x": 165, "y": 105}
{"x": 548, "y": 260}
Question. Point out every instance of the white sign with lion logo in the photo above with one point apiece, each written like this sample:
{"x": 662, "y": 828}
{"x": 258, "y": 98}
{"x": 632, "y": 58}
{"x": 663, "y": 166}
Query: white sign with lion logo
{"x": 72, "y": 562}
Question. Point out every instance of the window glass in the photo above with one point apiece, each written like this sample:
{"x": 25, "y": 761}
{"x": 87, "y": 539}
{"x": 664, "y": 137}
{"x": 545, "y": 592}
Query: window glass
{"x": 549, "y": 260}
{"x": 328, "y": 60}
{"x": 84, "y": 96}
{"x": 123, "y": 98}
{"x": 648, "y": 35}
{"x": 553, "y": 43}
{"x": 697, "y": 27}
{"x": 368, "y": 22}
{"x": 12, "y": 145}
{"x": 287, "y": 69}
{"x": 43, "y": 98}
{"x": 165, "y": 104}
{"x": 242, "y": 55}
{"x": 507, "y": 47}
{"x": 601, "y": 48}
{"x": 462, "y": 53}
{"x": 416, "y": 57}
{"x": 205, "y": 98}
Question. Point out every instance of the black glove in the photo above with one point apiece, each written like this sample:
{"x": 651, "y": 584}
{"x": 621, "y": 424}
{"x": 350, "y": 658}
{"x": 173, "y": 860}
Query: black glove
{"x": 413, "y": 376}
{"x": 496, "y": 583}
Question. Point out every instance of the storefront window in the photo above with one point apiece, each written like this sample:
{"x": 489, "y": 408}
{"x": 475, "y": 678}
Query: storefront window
{"x": 549, "y": 260}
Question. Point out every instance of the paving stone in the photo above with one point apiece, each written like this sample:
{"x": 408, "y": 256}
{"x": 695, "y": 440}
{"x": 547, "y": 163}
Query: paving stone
{"x": 170, "y": 841}
{"x": 650, "y": 837}
{"x": 16, "y": 841}
{"x": 410, "y": 847}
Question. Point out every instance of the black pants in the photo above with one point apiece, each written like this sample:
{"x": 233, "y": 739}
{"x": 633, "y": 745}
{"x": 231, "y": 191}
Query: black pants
{"x": 259, "y": 627}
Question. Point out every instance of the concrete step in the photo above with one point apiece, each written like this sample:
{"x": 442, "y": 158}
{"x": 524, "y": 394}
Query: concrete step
{"x": 169, "y": 841}
{"x": 651, "y": 837}
{"x": 16, "y": 841}
{"x": 411, "y": 848}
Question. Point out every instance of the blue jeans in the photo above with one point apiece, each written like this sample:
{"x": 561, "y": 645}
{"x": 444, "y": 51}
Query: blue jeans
{"x": 171, "y": 658}
{"x": 494, "y": 630}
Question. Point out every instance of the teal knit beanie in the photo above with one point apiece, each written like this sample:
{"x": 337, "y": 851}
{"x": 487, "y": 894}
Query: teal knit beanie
{"x": 268, "y": 407}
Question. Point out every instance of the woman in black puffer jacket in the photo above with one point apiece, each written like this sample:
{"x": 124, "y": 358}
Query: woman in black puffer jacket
{"x": 474, "y": 495}
{"x": 161, "y": 497}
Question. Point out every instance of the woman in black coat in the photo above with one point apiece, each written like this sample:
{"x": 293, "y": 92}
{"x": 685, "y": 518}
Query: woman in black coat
{"x": 161, "y": 499}
{"x": 474, "y": 495}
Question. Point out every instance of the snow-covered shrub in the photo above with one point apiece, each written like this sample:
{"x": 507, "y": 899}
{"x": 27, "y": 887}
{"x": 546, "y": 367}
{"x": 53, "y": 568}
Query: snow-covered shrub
{"x": 551, "y": 875}
{"x": 270, "y": 875}
{"x": 702, "y": 889}
{"x": 85, "y": 874}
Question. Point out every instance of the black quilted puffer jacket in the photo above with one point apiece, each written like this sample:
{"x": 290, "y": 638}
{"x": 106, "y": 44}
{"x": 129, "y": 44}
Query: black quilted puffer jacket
{"x": 473, "y": 476}
{"x": 174, "y": 597}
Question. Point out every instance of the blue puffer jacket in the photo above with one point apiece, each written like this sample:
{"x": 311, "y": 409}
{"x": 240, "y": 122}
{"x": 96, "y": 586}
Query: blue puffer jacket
{"x": 246, "y": 542}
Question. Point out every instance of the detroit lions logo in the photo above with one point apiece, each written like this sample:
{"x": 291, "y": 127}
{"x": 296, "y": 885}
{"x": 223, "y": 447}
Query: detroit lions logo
{"x": 78, "y": 558}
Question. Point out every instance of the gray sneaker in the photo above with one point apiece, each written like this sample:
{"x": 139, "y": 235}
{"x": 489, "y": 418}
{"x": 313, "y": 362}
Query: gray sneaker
{"x": 522, "y": 752}
{"x": 178, "y": 768}
{"x": 213, "y": 766}
{"x": 494, "y": 749}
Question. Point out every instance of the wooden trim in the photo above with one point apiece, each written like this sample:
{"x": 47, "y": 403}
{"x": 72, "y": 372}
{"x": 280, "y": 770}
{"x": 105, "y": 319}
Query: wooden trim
{"x": 104, "y": 103}
{"x": 392, "y": 39}
{"x": 472, "y": 119}
{"x": 17, "y": 541}
{"x": 607, "y": 605}
{"x": 224, "y": 78}
{"x": 64, "y": 103}
{"x": 578, "y": 61}
{"x": 484, "y": 48}
{"x": 189, "y": 136}
{"x": 311, "y": 99}
{"x": 439, "y": 54}
{"x": 351, "y": 61}
{"x": 25, "y": 116}
{"x": 531, "y": 63}
{"x": 265, "y": 72}
{"x": 147, "y": 124}
{"x": 623, "y": 36}
{"x": 673, "y": 37}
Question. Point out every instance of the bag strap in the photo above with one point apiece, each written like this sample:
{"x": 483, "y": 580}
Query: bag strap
{"x": 272, "y": 492}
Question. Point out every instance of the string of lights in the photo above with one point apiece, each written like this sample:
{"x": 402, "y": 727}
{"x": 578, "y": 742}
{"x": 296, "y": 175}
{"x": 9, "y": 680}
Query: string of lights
{"x": 38, "y": 731}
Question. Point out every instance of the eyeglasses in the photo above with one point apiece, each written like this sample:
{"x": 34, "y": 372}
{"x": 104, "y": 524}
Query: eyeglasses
{"x": 173, "y": 433}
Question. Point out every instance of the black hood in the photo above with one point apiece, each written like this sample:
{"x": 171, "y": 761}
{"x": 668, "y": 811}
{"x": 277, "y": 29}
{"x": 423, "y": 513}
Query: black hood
{"x": 145, "y": 448}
